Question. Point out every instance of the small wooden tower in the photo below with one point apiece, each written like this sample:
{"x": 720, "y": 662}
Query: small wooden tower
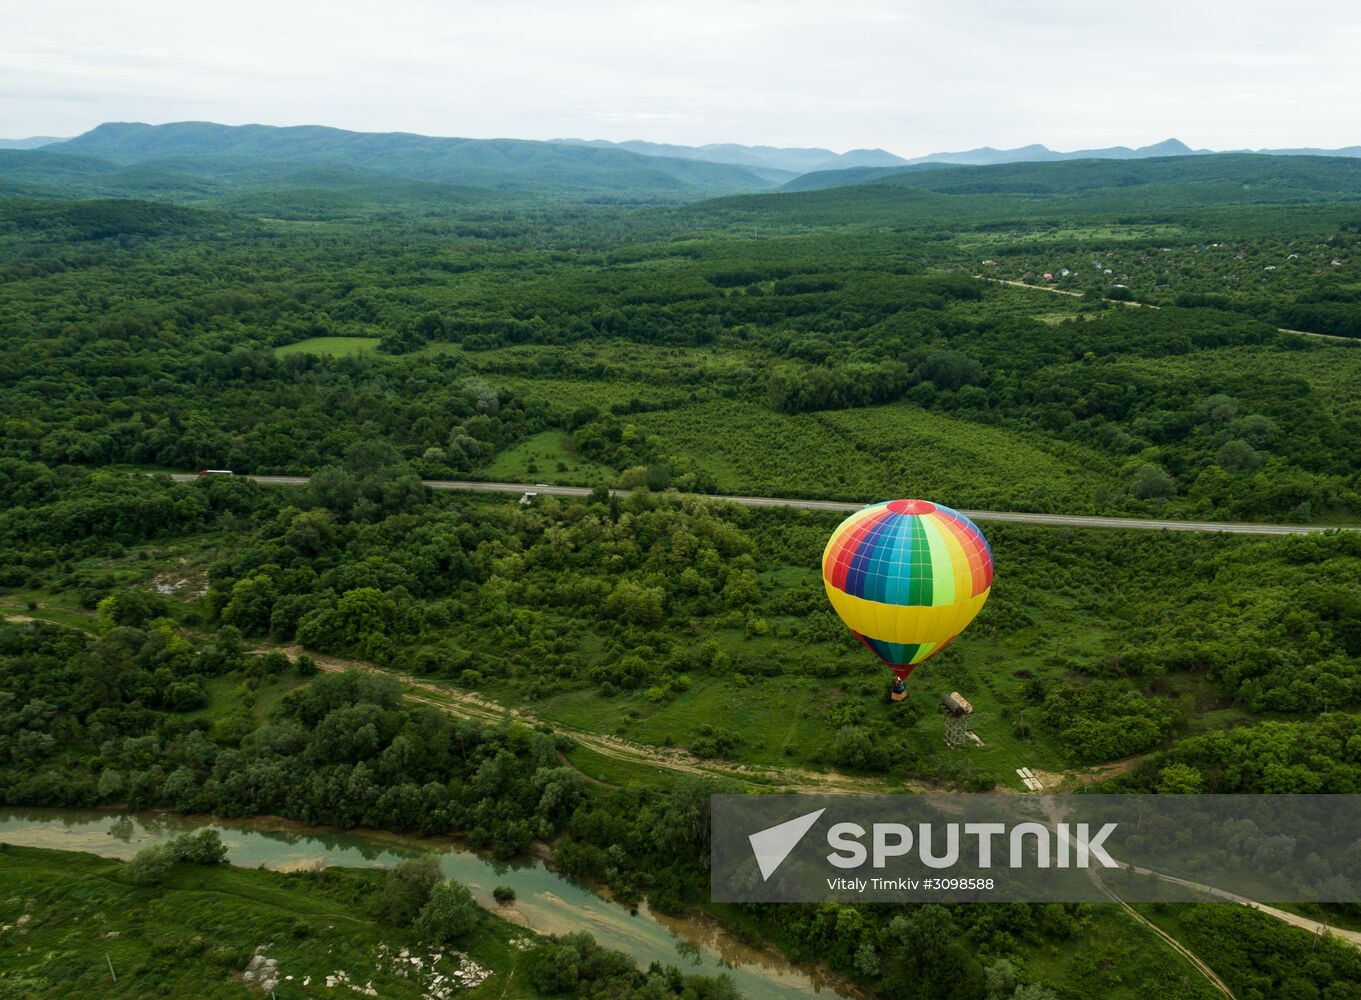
{"x": 956, "y": 710}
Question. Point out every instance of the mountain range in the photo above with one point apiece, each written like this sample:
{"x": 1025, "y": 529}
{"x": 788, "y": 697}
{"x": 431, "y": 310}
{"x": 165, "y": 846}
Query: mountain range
{"x": 1036, "y": 153}
{"x": 793, "y": 159}
{"x": 195, "y": 160}
{"x": 867, "y": 164}
{"x": 510, "y": 164}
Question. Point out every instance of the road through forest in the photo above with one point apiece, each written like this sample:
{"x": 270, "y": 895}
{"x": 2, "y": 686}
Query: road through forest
{"x": 1056, "y": 520}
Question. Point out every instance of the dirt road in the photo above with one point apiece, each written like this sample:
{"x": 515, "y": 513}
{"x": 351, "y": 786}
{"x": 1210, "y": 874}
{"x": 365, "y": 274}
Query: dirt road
{"x": 1147, "y": 305}
{"x": 472, "y": 706}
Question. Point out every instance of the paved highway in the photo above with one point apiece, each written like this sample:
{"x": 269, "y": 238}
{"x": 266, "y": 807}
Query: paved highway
{"x": 1059, "y": 520}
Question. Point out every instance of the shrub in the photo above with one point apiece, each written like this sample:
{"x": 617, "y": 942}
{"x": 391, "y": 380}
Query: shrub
{"x": 554, "y": 969}
{"x": 407, "y": 889}
{"x": 202, "y": 848}
{"x": 151, "y": 865}
{"x": 449, "y": 915}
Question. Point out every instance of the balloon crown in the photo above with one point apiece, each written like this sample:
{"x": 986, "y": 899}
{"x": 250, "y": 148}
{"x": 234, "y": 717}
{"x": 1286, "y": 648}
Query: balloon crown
{"x": 911, "y": 506}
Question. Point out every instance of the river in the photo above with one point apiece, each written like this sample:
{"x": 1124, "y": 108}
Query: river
{"x": 546, "y": 902}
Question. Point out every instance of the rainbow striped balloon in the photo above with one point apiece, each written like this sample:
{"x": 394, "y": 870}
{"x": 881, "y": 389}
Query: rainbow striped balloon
{"x": 907, "y": 576}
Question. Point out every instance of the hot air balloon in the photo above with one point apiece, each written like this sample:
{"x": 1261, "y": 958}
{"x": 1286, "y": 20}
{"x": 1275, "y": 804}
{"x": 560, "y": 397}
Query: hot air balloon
{"x": 907, "y": 576}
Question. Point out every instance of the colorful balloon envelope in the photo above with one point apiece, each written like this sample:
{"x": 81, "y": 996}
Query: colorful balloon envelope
{"x": 907, "y": 576}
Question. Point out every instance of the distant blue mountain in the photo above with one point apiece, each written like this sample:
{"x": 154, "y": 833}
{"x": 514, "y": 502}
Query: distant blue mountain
{"x": 986, "y": 156}
{"x": 794, "y": 160}
{"x": 32, "y": 142}
{"x": 1036, "y": 153}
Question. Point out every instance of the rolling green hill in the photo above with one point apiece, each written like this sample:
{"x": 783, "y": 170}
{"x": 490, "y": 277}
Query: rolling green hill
{"x": 1297, "y": 175}
{"x": 1072, "y": 189}
{"x": 1260, "y": 178}
{"x": 820, "y": 180}
{"x": 282, "y": 189}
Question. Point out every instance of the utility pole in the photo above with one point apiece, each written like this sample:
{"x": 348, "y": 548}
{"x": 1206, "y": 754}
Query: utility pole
{"x": 111, "y": 972}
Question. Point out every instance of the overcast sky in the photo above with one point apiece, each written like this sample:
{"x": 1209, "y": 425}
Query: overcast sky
{"x": 910, "y": 76}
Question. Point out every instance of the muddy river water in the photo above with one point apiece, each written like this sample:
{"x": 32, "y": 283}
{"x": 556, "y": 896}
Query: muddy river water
{"x": 546, "y": 902}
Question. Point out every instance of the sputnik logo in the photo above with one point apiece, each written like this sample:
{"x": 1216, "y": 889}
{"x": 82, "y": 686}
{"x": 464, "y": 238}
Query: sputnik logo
{"x": 773, "y": 844}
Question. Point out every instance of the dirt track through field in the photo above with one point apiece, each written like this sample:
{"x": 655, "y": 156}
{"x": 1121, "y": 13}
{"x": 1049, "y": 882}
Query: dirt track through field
{"x": 785, "y": 779}
{"x": 473, "y": 706}
{"x": 1176, "y": 946}
{"x": 1145, "y": 305}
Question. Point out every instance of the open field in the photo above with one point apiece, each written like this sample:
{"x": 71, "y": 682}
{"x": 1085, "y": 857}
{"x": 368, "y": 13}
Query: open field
{"x": 331, "y": 347}
{"x": 548, "y": 455}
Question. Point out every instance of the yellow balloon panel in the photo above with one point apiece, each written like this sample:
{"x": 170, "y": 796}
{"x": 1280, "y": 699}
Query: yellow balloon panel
{"x": 907, "y": 624}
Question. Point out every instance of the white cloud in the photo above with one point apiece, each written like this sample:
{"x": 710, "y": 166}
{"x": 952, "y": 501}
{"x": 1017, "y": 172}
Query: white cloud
{"x": 910, "y": 76}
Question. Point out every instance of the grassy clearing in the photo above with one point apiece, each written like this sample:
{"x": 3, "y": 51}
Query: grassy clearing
{"x": 1131, "y": 232}
{"x": 950, "y": 457}
{"x": 893, "y": 450}
{"x": 602, "y": 373}
{"x": 60, "y": 609}
{"x": 227, "y": 696}
{"x": 626, "y": 774}
{"x": 1055, "y": 318}
{"x": 174, "y": 568}
{"x": 759, "y": 713}
{"x": 569, "y": 394}
{"x": 548, "y": 456}
{"x": 335, "y": 347}
{"x": 793, "y": 721}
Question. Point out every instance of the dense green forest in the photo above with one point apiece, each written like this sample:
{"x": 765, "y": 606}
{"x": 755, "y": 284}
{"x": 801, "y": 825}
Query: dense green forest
{"x": 340, "y": 653}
